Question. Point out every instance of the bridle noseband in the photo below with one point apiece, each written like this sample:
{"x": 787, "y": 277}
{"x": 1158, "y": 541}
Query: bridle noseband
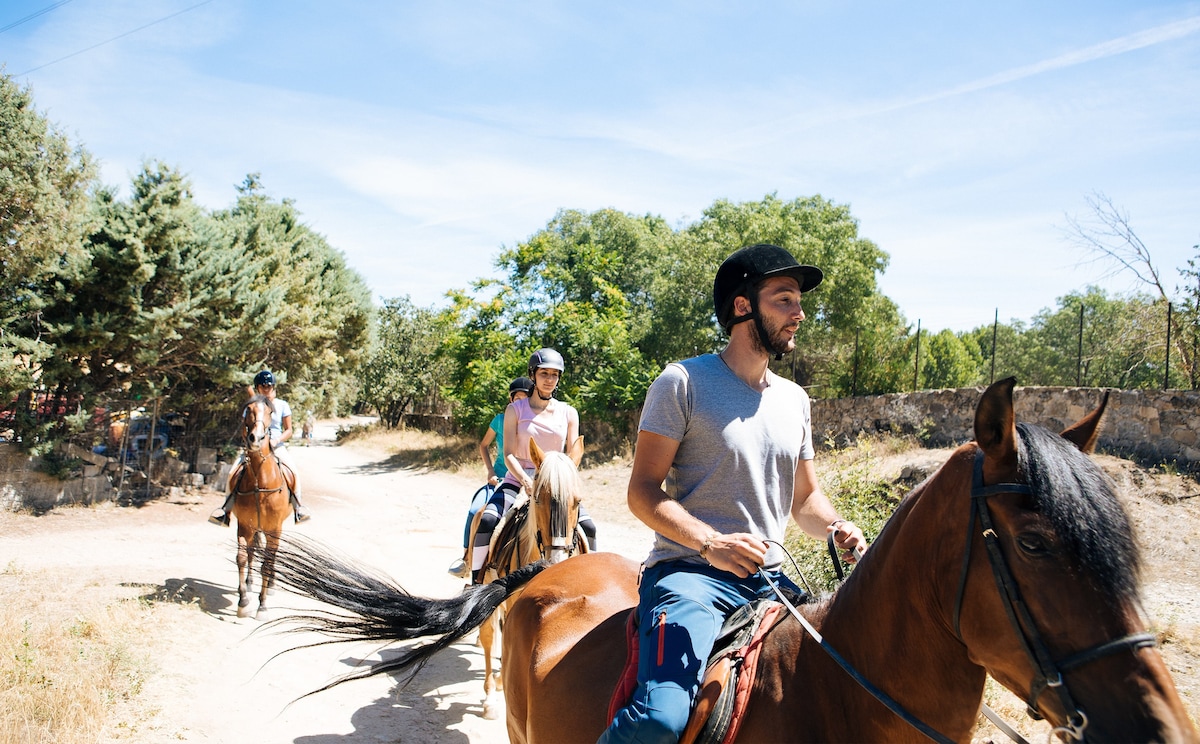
{"x": 1048, "y": 673}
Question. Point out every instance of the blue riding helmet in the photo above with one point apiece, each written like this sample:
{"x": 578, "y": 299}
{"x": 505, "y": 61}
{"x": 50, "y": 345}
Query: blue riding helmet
{"x": 264, "y": 378}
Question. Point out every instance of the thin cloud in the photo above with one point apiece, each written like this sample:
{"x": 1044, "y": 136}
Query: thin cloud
{"x": 1133, "y": 42}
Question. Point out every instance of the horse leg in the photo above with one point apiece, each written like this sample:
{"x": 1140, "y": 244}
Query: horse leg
{"x": 244, "y": 555}
{"x": 270, "y": 547}
{"x": 488, "y": 635}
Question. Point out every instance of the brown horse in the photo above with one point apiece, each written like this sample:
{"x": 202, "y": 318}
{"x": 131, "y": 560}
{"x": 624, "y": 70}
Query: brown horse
{"x": 543, "y": 525}
{"x": 1014, "y": 559}
{"x": 261, "y": 505}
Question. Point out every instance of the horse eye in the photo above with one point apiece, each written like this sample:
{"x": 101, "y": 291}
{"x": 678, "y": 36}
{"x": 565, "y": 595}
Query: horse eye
{"x": 1033, "y": 544}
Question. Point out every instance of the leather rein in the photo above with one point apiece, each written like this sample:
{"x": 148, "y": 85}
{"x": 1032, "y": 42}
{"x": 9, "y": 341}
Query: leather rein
{"x": 1048, "y": 672}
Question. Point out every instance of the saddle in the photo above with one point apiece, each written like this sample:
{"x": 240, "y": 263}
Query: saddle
{"x": 289, "y": 477}
{"x": 721, "y": 702}
{"x": 505, "y": 546}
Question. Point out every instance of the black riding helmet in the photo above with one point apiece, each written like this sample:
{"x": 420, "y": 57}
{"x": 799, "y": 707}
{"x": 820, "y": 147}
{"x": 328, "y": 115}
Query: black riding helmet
{"x": 548, "y": 358}
{"x": 520, "y": 385}
{"x": 744, "y": 269}
{"x": 545, "y": 358}
{"x": 264, "y": 378}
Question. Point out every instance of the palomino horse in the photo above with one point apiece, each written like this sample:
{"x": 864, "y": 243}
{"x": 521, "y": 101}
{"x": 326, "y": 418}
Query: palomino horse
{"x": 544, "y": 525}
{"x": 261, "y": 505}
{"x": 1014, "y": 559}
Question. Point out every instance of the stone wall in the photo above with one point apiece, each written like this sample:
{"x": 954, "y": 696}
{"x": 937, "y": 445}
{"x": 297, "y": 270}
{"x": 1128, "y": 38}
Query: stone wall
{"x": 1153, "y": 426}
{"x": 23, "y": 485}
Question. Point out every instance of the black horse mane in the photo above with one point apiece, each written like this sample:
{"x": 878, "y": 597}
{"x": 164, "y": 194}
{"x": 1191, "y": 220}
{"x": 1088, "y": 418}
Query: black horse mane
{"x": 1081, "y": 503}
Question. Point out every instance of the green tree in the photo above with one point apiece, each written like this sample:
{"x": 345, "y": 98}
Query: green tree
{"x": 581, "y": 286}
{"x": 124, "y": 323}
{"x": 1108, "y": 235}
{"x": 44, "y": 182}
{"x": 179, "y": 304}
{"x": 622, "y": 295}
{"x": 407, "y": 362}
{"x": 1121, "y": 343}
{"x": 303, "y": 311}
{"x": 1188, "y": 337}
{"x": 948, "y": 361}
{"x": 876, "y": 359}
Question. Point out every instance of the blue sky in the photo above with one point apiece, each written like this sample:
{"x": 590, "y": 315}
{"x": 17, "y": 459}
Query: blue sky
{"x": 422, "y": 138}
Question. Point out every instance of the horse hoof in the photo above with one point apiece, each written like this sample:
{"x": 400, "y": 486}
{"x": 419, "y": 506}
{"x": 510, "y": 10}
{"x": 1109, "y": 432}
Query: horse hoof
{"x": 243, "y": 612}
{"x": 262, "y": 614}
{"x": 490, "y": 711}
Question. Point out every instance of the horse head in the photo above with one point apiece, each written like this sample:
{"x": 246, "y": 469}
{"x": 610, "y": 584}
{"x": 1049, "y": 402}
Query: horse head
{"x": 256, "y": 424}
{"x": 1052, "y": 612}
{"x": 554, "y": 498}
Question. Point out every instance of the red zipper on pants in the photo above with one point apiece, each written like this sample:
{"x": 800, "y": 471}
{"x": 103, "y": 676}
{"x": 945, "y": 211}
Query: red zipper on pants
{"x": 662, "y": 635}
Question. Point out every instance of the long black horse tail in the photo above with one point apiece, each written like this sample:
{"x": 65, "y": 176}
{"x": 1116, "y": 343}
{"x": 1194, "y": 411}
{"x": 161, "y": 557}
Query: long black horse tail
{"x": 375, "y": 608}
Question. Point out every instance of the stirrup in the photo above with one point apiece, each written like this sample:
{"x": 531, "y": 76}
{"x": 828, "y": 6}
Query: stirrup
{"x": 301, "y": 516}
{"x": 220, "y": 521}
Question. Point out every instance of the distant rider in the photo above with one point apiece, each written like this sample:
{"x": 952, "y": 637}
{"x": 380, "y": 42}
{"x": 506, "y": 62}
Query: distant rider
{"x": 518, "y": 389}
{"x": 280, "y": 432}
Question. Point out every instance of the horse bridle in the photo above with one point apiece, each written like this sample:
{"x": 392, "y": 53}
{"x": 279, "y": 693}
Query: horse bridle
{"x": 556, "y": 515}
{"x": 246, "y": 454}
{"x": 1049, "y": 674}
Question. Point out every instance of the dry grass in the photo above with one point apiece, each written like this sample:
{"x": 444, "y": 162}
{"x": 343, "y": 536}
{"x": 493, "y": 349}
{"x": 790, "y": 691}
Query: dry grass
{"x": 67, "y": 676}
{"x": 416, "y": 449}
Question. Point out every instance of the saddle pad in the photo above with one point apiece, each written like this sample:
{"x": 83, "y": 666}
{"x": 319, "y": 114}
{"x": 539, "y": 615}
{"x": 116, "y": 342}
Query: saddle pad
{"x": 725, "y": 692}
{"x": 623, "y": 692}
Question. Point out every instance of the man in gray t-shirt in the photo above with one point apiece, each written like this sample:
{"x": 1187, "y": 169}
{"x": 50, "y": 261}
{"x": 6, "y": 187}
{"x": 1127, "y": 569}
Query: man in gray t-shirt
{"x": 732, "y": 444}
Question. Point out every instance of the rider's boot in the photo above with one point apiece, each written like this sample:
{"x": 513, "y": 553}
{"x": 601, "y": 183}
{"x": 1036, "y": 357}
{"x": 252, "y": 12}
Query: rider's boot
{"x": 298, "y": 510}
{"x": 459, "y": 569}
{"x": 220, "y": 516}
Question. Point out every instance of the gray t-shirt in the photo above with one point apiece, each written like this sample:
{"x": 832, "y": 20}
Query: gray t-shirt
{"x": 735, "y": 468}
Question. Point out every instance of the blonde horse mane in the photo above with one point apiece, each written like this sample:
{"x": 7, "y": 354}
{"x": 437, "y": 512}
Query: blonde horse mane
{"x": 558, "y": 477}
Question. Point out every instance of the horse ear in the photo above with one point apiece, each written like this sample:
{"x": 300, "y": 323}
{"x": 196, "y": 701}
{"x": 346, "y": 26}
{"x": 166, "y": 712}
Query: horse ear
{"x": 536, "y": 454}
{"x": 576, "y": 451}
{"x": 1084, "y": 433}
{"x": 995, "y": 423}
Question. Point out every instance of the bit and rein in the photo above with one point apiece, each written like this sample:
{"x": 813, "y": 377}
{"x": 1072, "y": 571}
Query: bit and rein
{"x": 1049, "y": 674}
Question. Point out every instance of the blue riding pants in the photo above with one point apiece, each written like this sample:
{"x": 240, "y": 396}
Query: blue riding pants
{"x": 477, "y": 502}
{"x": 681, "y": 608}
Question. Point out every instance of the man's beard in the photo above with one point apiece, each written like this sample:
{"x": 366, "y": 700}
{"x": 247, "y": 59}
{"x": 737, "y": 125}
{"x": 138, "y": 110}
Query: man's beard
{"x": 780, "y": 342}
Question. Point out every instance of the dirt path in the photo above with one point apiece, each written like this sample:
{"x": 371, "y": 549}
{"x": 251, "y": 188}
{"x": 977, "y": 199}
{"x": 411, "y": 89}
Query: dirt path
{"x": 217, "y": 680}
{"x": 214, "y": 679}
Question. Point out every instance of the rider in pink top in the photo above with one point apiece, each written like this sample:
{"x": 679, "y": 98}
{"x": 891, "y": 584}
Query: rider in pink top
{"x": 554, "y": 425}
{"x": 548, "y": 428}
